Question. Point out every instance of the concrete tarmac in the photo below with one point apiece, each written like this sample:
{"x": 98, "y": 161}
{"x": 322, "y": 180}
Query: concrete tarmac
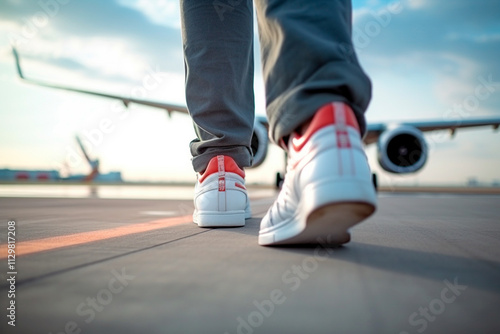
{"x": 424, "y": 263}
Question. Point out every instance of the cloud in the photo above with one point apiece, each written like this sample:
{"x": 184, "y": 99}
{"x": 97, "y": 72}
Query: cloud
{"x": 107, "y": 38}
{"x": 455, "y": 42}
{"x": 162, "y": 12}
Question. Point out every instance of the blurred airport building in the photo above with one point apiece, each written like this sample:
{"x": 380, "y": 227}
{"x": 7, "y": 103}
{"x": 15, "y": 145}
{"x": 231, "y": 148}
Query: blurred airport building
{"x": 19, "y": 175}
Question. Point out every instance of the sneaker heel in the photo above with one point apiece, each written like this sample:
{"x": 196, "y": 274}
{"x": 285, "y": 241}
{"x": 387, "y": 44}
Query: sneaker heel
{"x": 331, "y": 223}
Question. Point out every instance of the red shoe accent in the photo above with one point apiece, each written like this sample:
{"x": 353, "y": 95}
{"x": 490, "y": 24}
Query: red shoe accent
{"x": 239, "y": 185}
{"x": 337, "y": 113}
{"x": 225, "y": 164}
{"x": 222, "y": 173}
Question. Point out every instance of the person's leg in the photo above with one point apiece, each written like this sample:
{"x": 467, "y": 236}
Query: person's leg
{"x": 218, "y": 51}
{"x": 316, "y": 95}
{"x": 308, "y": 60}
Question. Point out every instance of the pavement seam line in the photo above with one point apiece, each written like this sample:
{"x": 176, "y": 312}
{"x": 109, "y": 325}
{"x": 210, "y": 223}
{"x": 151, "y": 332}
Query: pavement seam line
{"x": 83, "y": 265}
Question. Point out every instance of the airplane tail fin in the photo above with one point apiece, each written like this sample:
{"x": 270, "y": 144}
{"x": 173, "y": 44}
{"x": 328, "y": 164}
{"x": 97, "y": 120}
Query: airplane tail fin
{"x": 94, "y": 164}
{"x": 18, "y": 65}
{"x": 84, "y": 151}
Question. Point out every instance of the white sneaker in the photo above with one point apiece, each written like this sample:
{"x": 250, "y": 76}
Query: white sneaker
{"x": 328, "y": 186}
{"x": 221, "y": 198}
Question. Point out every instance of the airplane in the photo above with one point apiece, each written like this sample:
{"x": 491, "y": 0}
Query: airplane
{"x": 402, "y": 148}
{"x": 94, "y": 175}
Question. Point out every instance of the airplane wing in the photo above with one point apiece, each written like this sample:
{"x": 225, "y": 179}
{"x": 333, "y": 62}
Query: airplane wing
{"x": 258, "y": 144}
{"x": 374, "y": 130}
{"x": 126, "y": 100}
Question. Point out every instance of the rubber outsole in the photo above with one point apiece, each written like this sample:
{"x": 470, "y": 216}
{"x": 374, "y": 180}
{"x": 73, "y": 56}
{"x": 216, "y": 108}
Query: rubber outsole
{"x": 327, "y": 225}
{"x": 219, "y": 219}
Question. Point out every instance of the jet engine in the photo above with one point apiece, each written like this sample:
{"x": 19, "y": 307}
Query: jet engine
{"x": 259, "y": 143}
{"x": 402, "y": 150}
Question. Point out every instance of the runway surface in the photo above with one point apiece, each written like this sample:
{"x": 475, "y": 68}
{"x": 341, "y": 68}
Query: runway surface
{"x": 425, "y": 263}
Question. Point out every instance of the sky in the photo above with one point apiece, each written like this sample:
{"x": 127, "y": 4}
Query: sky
{"x": 426, "y": 60}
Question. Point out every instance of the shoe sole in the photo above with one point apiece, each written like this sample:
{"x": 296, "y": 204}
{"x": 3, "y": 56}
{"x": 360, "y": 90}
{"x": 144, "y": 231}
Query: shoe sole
{"x": 218, "y": 219}
{"x": 330, "y": 224}
{"x": 321, "y": 221}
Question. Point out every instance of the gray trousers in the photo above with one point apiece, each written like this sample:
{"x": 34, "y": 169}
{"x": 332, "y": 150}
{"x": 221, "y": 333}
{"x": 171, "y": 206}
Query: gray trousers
{"x": 308, "y": 60}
